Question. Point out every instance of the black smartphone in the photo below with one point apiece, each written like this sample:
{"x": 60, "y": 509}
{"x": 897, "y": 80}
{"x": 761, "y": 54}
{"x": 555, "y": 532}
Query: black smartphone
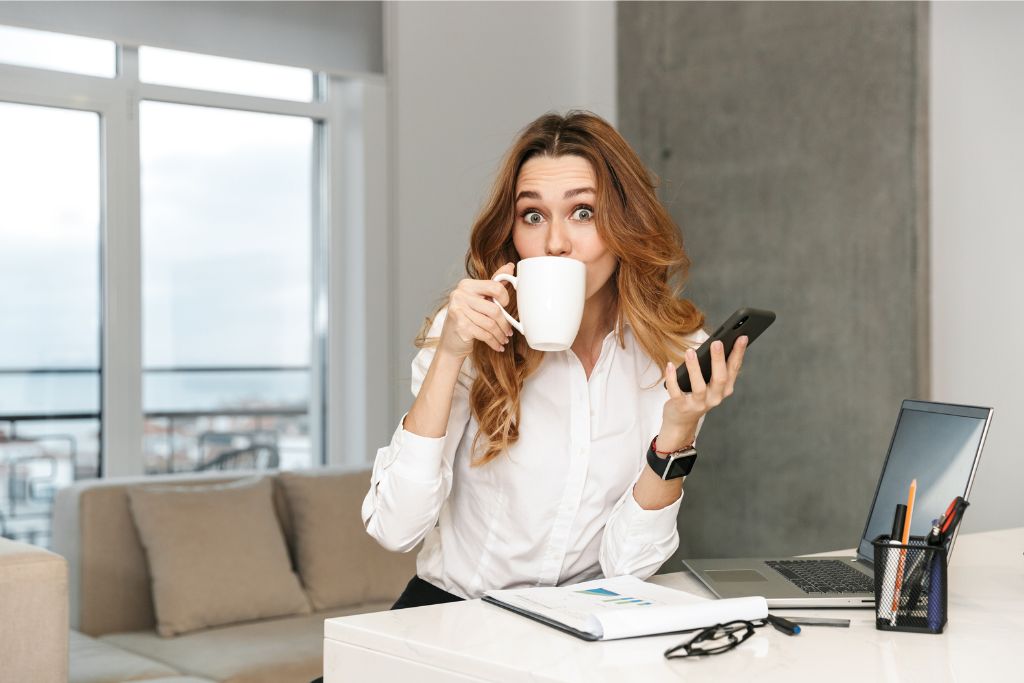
{"x": 750, "y": 322}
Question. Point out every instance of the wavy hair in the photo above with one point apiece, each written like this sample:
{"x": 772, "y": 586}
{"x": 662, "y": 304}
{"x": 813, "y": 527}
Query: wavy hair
{"x": 634, "y": 226}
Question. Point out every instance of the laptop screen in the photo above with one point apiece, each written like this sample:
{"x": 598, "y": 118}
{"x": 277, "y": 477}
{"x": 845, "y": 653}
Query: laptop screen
{"x": 937, "y": 444}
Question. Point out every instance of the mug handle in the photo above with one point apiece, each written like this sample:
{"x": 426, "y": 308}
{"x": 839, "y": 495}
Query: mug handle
{"x": 505, "y": 277}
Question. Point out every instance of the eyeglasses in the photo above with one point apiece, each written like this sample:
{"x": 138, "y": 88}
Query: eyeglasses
{"x": 714, "y": 640}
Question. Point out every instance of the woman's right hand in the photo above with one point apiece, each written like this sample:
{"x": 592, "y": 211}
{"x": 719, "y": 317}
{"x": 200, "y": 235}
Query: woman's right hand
{"x": 472, "y": 315}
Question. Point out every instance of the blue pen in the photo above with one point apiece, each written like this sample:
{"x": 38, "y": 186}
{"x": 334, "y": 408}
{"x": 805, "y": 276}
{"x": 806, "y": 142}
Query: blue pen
{"x": 937, "y": 578}
{"x": 936, "y": 592}
{"x": 784, "y": 625}
{"x": 922, "y": 567}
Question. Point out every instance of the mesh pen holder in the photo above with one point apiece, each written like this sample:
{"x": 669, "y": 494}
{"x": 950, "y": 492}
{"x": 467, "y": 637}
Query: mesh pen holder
{"x": 910, "y": 586}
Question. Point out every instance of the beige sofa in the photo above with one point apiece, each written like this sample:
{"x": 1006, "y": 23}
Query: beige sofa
{"x": 112, "y": 610}
{"x": 33, "y": 614}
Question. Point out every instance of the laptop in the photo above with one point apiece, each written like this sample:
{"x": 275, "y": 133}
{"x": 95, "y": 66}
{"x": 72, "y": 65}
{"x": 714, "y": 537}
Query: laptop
{"x": 938, "y": 444}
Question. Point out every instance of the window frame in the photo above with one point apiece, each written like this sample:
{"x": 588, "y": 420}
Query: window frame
{"x": 346, "y": 112}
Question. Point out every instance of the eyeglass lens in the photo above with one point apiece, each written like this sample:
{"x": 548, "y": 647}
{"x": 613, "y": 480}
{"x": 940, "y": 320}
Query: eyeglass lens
{"x": 714, "y": 640}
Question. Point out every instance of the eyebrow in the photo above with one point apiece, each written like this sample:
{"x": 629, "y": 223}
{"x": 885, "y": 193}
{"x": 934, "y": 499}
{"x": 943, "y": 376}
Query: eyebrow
{"x": 569, "y": 194}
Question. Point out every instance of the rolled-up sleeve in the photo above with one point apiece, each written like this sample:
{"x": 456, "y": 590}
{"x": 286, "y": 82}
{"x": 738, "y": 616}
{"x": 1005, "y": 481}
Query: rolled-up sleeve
{"x": 638, "y": 541}
{"x": 412, "y": 475}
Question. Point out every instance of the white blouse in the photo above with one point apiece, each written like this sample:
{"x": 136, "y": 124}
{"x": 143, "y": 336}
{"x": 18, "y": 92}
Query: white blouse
{"x": 557, "y": 507}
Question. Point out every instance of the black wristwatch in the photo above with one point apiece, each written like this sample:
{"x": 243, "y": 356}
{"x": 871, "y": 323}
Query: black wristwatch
{"x": 672, "y": 465}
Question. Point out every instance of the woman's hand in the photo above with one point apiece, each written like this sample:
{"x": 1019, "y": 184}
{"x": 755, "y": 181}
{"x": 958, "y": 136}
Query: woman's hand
{"x": 473, "y": 315}
{"x": 683, "y": 411}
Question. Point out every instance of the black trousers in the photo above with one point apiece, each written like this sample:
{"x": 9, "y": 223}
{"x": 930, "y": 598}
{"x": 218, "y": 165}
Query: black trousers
{"x": 418, "y": 593}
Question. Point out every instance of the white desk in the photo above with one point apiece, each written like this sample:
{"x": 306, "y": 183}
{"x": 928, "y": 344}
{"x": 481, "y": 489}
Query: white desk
{"x": 475, "y": 641}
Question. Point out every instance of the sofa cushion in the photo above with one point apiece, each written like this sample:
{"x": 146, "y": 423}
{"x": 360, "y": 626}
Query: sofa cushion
{"x": 286, "y": 650}
{"x": 93, "y": 661}
{"x": 338, "y": 562}
{"x": 216, "y": 554}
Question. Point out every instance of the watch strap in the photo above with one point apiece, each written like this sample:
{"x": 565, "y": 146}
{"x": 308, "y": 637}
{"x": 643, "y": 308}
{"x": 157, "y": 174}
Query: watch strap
{"x": 676, "y": 464}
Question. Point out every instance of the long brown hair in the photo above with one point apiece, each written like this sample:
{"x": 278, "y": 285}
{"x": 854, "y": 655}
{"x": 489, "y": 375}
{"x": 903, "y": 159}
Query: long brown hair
{"x": 634, "y": 226}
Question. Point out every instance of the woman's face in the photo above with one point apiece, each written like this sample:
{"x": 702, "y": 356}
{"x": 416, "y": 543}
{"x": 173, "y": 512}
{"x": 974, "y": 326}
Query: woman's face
{"x": 555, "y": 210}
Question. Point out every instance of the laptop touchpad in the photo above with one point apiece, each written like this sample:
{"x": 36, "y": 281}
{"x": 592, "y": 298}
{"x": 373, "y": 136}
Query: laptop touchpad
{"x": 734, "y": 575}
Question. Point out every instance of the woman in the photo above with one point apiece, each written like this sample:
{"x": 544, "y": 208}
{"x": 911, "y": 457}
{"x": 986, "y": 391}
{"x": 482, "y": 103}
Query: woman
{"x": 521, "y": 468}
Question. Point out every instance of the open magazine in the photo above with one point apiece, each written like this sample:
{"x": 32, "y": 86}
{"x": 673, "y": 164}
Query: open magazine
{"x": 623, "y": 607}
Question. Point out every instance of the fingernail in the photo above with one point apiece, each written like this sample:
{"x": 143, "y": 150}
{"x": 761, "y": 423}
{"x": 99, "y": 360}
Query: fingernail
{"x": 502, "y": 349}
{"x": 690, "y": 354}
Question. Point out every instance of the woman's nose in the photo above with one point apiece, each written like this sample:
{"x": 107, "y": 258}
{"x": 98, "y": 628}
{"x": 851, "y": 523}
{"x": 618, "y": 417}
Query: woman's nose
{"x": 558, "y": 240}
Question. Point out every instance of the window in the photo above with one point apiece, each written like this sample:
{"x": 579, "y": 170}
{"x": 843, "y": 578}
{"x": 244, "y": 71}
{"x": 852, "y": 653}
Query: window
{"x": 57, "y": 51}
{"x": 163, "y": 258}
{"x": 50, "y": 310}
{"x": 227, "y": 287}
{"x": 203, "y": 72}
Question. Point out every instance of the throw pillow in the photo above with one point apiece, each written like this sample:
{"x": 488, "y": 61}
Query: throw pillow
{"x": 339, "y": 563}
{"x": 216, "y": 554}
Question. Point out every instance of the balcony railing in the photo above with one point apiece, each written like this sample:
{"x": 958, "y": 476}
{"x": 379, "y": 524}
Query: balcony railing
{"x": 36, "y": 462}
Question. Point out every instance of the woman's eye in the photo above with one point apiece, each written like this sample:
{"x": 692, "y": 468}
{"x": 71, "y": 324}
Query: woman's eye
{"x": 532, "y": 217}
{"x": 584, "y": 214}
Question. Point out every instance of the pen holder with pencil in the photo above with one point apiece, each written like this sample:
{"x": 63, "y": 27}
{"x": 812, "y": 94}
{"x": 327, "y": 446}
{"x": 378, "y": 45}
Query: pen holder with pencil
{"x": 910, "y": 585}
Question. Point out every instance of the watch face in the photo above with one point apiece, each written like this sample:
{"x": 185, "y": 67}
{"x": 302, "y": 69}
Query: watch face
{"x": 681, "y": 467}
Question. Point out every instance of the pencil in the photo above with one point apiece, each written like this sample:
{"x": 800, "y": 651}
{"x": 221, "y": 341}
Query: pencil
{"x": 911, "y": 495}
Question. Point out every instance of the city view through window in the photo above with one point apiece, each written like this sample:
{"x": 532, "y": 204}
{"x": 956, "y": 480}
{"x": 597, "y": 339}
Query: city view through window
{"x": 226, "y": 228}
{"x": 226, "y": 199}
{"x": 50, "y": 276}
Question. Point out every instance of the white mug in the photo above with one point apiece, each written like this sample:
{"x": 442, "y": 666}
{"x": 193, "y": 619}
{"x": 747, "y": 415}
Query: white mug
{"x": 550, "y": 291}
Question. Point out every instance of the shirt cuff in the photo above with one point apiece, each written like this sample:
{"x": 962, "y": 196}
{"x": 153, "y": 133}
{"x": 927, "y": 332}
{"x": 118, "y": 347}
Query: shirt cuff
{"x": 650, "y": 524}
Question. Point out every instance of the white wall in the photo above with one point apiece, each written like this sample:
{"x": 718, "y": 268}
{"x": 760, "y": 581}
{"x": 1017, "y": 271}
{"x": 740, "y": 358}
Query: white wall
{"x": 465, "y": 77}
{"x": 977, "y": 237}
{"x": 338, "y": 37}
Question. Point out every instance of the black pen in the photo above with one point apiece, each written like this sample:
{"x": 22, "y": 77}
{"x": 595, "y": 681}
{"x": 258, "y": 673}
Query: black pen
{"x": 935, "y": 537}
{"x": 784, "y": 625}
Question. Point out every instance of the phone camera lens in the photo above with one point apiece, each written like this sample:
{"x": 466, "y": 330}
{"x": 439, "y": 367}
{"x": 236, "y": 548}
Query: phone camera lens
{"x": 740, "y": 323}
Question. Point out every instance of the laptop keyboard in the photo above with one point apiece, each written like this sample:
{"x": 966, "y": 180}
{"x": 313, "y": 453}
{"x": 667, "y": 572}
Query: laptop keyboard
{"x": 823, "y": 576}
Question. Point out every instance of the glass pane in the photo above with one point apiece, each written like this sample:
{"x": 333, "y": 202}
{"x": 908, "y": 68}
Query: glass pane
{"x": 58, "y": 51}
{"x": 205, "y": 72}
{"x": 50, "y": 311}
{"x": 187, "y": 389}
{"x": 227, "y": 202}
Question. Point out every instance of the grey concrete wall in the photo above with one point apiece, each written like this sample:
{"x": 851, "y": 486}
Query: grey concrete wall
{"x": 790, "y": 140}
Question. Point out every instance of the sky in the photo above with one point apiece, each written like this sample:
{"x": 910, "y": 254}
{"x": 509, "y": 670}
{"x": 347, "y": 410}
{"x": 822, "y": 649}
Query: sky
{"x": 226, "y": 237}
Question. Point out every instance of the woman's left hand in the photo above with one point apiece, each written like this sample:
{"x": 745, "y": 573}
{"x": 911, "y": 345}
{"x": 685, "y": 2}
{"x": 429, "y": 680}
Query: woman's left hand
{"x": 683, "y": 411}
